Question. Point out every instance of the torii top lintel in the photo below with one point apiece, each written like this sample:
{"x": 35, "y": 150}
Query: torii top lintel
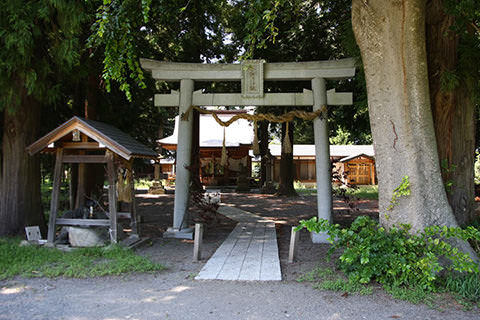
{"x": 176, "y": 71}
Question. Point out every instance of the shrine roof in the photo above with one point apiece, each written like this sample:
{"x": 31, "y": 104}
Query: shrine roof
{"x": 105, "y": 135}
{"x": 238, "y": 133}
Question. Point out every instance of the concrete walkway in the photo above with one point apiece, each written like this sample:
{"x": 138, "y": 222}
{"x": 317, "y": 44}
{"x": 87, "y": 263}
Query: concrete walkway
{"x": 249, "y": 253}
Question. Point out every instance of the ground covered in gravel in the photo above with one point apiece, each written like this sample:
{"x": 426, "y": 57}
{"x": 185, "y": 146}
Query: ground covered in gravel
{"x": 173, "y": 294}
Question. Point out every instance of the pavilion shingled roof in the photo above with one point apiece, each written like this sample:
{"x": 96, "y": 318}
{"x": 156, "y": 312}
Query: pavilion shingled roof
{"x": 108, "y": 135}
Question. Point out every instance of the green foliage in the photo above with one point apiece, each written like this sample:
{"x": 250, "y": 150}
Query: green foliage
{"x": 116, "y": 27}
{"x": 327, "y": 279}
{"x": 395, "y": 258}
{"x": 303, "y": 189}
{"x": 477, "y": 169}
{"x": 46, "y": 194}
{"x": 413, "y": 294}
{"x": 448, "y": 170}
{"x": 143, "y": 183}
{"x": 261, "y": 25}
{"x": 364, "y": 192}
{"x": 403, "y": 190}
{"x": 449, "y": 80}
{"x": 342, "y": 137}
{"x": 465, "y": 286}
{"x": 175, "y": 30}
{"x": 31, "y": 261}
{"x": 39, "y": 39}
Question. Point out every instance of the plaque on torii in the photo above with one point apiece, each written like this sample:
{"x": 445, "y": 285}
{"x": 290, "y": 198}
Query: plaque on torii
{"x": 252, "y": 74}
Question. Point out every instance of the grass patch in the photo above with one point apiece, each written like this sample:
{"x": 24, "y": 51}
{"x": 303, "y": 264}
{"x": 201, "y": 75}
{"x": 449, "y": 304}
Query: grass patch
{"x": 327, "y": 279}
{"x": 414, "y": 295}
{"x": 465, "y": 288}
{"x": 143, "y": 183}
{"x": 360, "y": 192}
{"x": 364, "y": 192}
{"x": 31, "y": 261}
{"x": 303, "y": 189}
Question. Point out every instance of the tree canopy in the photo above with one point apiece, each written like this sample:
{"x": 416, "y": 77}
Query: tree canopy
{"x": 58, "y": 54}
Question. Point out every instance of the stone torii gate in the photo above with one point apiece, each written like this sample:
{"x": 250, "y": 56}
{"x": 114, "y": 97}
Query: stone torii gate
{"x": 252, "y": 74}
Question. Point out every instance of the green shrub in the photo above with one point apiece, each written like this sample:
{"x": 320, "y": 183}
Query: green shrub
{"x": 395, "y": 258}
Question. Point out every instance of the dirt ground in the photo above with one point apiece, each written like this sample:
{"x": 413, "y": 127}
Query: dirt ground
{"x": 173, "y": 294}
{"x": 157, "y": 210}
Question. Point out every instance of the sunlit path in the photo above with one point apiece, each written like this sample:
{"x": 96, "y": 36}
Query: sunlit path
{"x": 249, "y": 253}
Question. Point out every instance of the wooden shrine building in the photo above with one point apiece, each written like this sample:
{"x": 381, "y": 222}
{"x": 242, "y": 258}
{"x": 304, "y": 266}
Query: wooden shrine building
{"x": 355, "y": 164}
{"x": 238, "y": 141}
{"x": 82, "y": 141}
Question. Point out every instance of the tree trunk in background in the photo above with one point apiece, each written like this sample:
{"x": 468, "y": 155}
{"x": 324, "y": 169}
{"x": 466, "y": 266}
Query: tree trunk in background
{"x": 263, "y": 144}
{"x": 287, "y": 167}
{"x": 196, "y": 184}
{"x": 20, "y": 200}
{"x": 94, "y": 172}
{"x": 453, "y": 113}
{"x": 89, "y": 179}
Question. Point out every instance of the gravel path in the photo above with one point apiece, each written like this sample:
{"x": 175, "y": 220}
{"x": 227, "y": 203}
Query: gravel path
{"x": 173, "y": 294}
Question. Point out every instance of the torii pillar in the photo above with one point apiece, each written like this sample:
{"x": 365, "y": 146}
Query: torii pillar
{"x": 252, "y": 74}
{"x": 322, "y": 158}
{"x": 181, "y": 219}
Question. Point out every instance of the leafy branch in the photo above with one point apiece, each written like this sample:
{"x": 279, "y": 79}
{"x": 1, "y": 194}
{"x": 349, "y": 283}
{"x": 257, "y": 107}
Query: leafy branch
{"x": 403, "y": 190}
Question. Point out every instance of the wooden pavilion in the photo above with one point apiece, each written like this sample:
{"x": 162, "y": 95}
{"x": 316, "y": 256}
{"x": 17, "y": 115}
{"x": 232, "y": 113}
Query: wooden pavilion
{"x": 82, "y": 141}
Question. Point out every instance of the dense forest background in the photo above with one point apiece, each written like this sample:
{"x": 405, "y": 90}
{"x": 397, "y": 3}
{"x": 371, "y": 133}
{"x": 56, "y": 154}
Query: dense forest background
{"x": 62, "y": 59}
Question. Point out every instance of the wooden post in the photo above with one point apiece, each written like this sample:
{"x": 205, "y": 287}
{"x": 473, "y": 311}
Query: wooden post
{"x": 133, "y": 204}
{"x": 372, "y": 173}
{"x": 112, "y": 195}
{"x": 79, "y": 201}
{"x": 57, "y": 175}
{"x": 197, "y": 242}
{"x": 294, "y": 239}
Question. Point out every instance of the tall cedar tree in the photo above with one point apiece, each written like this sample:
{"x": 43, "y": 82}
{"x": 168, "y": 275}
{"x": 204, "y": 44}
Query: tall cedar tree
{"x": 38, "y": 41}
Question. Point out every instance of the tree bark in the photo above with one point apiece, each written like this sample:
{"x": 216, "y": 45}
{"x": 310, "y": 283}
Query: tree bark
{"x": 287, "y": 167}
{"x": 196, "y": 184}
{"x": 20, "y": 200}
{"x": 453, "y": 113}
{"x": 263, "y": 144}
{"x": 391, "y": 37}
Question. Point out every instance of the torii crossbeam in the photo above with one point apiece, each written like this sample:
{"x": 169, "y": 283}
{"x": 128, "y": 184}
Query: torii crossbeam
{"x": 252, "y": 74}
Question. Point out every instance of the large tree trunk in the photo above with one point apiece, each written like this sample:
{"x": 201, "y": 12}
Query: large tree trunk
{"x": 453, "y": 113}
{"x": 287, "y": 167}
{"x": 20, "y": 201}
{"x": 391, "y": 37}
